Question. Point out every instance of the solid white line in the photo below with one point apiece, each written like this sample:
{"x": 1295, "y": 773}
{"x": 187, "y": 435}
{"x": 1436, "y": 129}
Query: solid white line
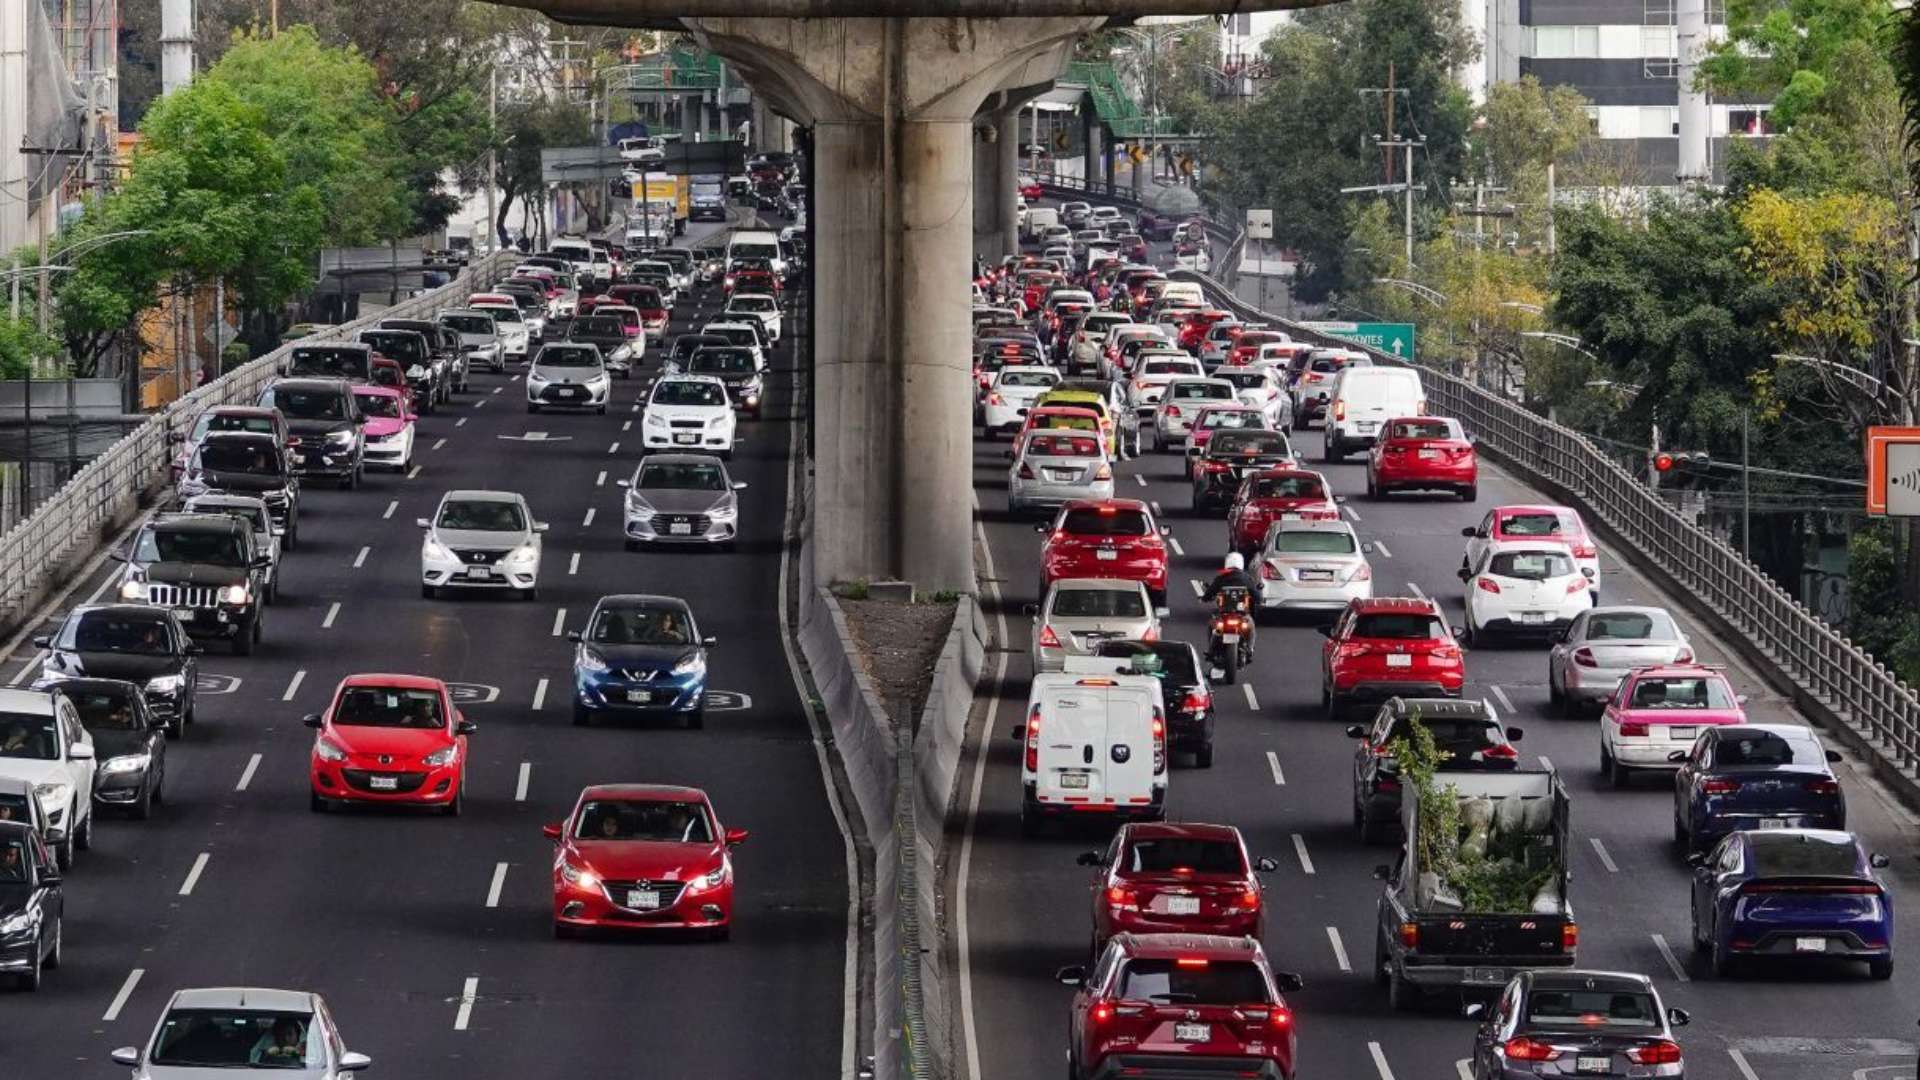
{"x": 1273, "y": 762}
{"x": 1174, "y": 543}
{"x": 573, "y": 564}
{"x": 1138, "y": 479}
{"x": 1300, "y": 849}
{"x": 1606, "y": 860}
{"x": 391, "y": 507}
{"x": 1740, "y": 1062}
{"x": 1380, "y": 1060}
{"x": 1417, "y": 591}
{"x": 1505, "y": 701}
{"x": 462, "y": 422}
{"x": 360, "y": 560}
{"x": 413, "y": 472}
{"x": 1351, "y": 512}
{"x": 1381, "y": 547}
{"x": 294, "y": 686}
{"x": 333, "y": 611}
{"x": 1198, "y": 589}
{"x": 968, "y": 1027}
{"x": 193, "y": 875}
{"x": 516, "y": 378}
{"x": 539, "y": 694}
{"x": 1339, "y": 948}
{"x": 520, "y": 785}
{"x": 601, "y": 480}
{"x": 467, "y": 994}
{"x": 499, "y": 879}
{"x": 1666, "y": 953}
{"x": 615, "y": 448}
{"x": 1546, "y": 762}
{"x": 559, "y": 621}
{"x": 588, "y": 520}
{"x": 1252, "y": 702}
{"x": 120, "y": 999}
{"x": 246, "y": 774}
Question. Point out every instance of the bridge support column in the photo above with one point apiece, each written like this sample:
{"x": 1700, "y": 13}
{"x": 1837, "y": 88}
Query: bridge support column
{"x": 892, "y": 103}
{"x": 996, "y": 173}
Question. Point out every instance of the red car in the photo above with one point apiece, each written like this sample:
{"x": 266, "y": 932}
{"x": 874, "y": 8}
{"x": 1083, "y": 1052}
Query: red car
{"x": 1181, "y": 1005}
{"x": 1133, "y": 246}
{"x": 1268, "y": 496}
{"x": 756, "y": 281}
{"x": 1165, "y": 878}
{"x": 1031, "y": 190}
{"x": 1195, "y": 326}
{"x": 1105, "y": 538}
{"x": 390, "y": 739}
{"x": 643, "y": 856}
{"x": 1246, "y": 347}
{"x": 1423, "y": 453}
{"x": 1389, "y": 647}
{"x": 1034, "y": 286}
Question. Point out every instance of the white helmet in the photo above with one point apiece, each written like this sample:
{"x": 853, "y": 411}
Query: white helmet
{"x": 1235, "y": 562}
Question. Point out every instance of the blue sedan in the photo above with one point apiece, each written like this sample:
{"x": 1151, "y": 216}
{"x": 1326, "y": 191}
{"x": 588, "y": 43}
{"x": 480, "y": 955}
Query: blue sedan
{"x": 1753, "y": 776}
{"x": 1783, "y": 894}
{"x": 640, "y": 655}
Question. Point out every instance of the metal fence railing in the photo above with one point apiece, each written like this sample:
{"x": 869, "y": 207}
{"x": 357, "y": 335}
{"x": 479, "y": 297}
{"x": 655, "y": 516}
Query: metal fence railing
{"x": 37, "y": 554}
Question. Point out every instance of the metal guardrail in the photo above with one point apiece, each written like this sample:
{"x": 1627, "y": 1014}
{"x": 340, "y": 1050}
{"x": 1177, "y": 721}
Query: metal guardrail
{"x": 37, "y": 554}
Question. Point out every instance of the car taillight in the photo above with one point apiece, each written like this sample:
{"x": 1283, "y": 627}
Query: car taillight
{"x": 1363, "y": 573}
{"x": 1151, "y": 633}
{"x": 1051, "y": 640}
{"x": 1502, "y": 752}
{"x": 1268, "y": 572}
{"x": 1633, "y": 727}
{"x": 1664, "y": 1052}
{"x": 1339, "y": 410}
{"x": 1101, "y": 1013}
{"x": 1569, "y": 936}
{"x": 1577, "y": 585}
{"x": 1823, "y": 786}
{"x": 995, "y": 399}
{"x": 1033, "y": 740}
{"x": 1173, "y": 410}
{"x": 1488, "y": 585}
{"x": 1280, "y": 1017}
{"x": 1026, "y": 471}
{"x": 1525, "y": 1049}
{"x": 1197, "y": 701}
{"x": 1584, "y": 658}
{"x": 1719, "y": 787}
{"x": 1250, "y": 899}
{"x": 1123, "y": 899}
{"x": 1104, "y": 472}
{"x": 1159, "y": 743}
{"x": 1393, "y": 448}
{"x": 1684, "y": 656}
{"x": 1584, "y": 549}
{"x": 1410, "y": 935}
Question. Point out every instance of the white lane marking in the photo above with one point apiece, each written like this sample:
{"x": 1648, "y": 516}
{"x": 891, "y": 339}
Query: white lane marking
{"x": 438, "y": 443}
{"x": 499, "y": 879}
{"x": 1273, "y": 762}
{"x": 1505, "y": 701}
{"x": 559, "y": 621}
{"x": 1465, "y": 1068}
{"x": 539, "y": 695}
{"x": 516, "y": 378}
{"x": 1740, "y": 1062}
{"x": 293, "y": 687}
{"x": 246, "y": 774}
{"x": 27, "y": 669}
{"x": 120, "y": 999}
{"x": 467, "y": 993}
{"x": 333, "y": 612}
{"x": 1380, "y": 1060}
{"x": 462, "y": 422}
{"x": 1198, "y": 589}
{"x": 1666, "y": 953}
{"x": 520, "y": 785}
{"x": 601, "y": 480}
{"x": 360, "y": 560}
{"x": 615, "y": 448}
{"x": 483, "y": 401}
{"x": 1174, "y": 543}
{"x": 588, "y": 520}
{"x": 573, "y": 564}
{"x": 1138, "y": 479}
{"x": 496, "y": 390}
{"x": 1252, "y": 702}
{"x": 193, "y": 875}
{"x": 1606, "y": 860}
{"x": 391, "y": 507}
{"x": 1381, "y": 547}
{"x": 636, "y": 407}
{"x": 1339, "y": 948}
{"x": 1351, "y": 512}
{"x": 1546, "y": 762}
{"x": 626, "y": 425}
{"x": 1300, "y": 849}
{"x": 1414, "y": 586}
{"x": 413, "y": 472}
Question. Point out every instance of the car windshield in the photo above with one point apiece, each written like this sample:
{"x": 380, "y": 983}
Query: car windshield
{"x": 1105, "y": 521}
{"x": 188, "y": 546}
{"x": 1681, "y": 692}
{"x": 754, "y": 304}
{"x": 329, "y": 363}
{"x": 1802, "y": 854}
{"x": 1424, "y": 429}
{"x": 568, "y": 358}
{"x": 644, "y": 820}
{"x": 214, "y": 421}
{"x": 113, "y": 632}
{"x": 13, "y": 852}
{"x": 597, "y": 326}
{"x": 1214, "y": 419}
{"x": 1288, "y": 487}
{"x": 505, "y": 314}
{"x": 482, "y": 515}
{"x": 308, "y": 404}
{"x": 655, "y": 625}
{"x": 1016, "y": 377}
{"x": 686, "y": 392}
{"x": 737, "y": 335}
{"x": 1199, "y": 392}
{"x": 1168, "y": 367}
{"x": 1195, "y": 981}
{"x": 1174, "y": 855}
{"x": 1531, "y": 565}
{"x": 1631, "y": 626}
{"x": 468, "y": 324}
{"x": 1541, "y": 523}
{"x": 385, "y": 406}
{"x": 406, "y": 347}
{"x": 1063, "y": 446}
{"x": 23, "y": 735}
{"x": 387, "y": 373}
{"x": 1249, "y": 443}
{"x": 241, "y": 456}
{"x": 721, "y": 362}
{"x": 389, "y": 706}
{"x": 1752, "y": 747}
{"x": 1099, "y": 604}
{"x": 1399, "y": 626}
{"x": 1588, "y": 1009}
{"x": 1313, "y": 542}
{"x": 237, "y": 1038}
{"x": 680, "y": 476}
{"x": 254, "y": 516}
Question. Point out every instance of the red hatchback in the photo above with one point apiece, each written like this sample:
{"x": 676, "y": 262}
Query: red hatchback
{"x": 1110, "y": 538}
{"x": 1181, "y": 1005}
{"x": 1423, "y": 453}
{"x": 390, "y": 739}
{"x": 1389, "y": 647}
{"x": 1271, "y": 495}
{"x": 643, "y": 856}
{"x": 1165, "y": 878}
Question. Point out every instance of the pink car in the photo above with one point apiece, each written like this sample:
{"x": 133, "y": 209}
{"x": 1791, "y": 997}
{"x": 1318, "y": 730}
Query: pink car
{"x": 1657, "y": 711}
{"x": 389, "y": 430}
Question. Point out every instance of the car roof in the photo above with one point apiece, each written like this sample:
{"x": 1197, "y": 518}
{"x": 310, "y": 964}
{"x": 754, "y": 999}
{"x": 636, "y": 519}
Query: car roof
{"x": 1444, "y": 708}
{"x": 1164, "y": 830}
{"x": 644, "y": 792}
{"x": 221, "y": 498}
{"x": 190, "y": 521}
{"x": 1556, "y": 543}
{"x": 241, "y": 410}
{"x": 1097, "y": 584}
{"x": 1578, "y": 979}
{"x": 372, "y": 390}
{"x": 649, "y": 600}
{"x": 123, "y": 609}
{"x": 1338, "y": 525}
{"x": 1388, "y": 604}
{"x": 313, "y": 384}
{"x": 379, "y": 678}
{"x": 1175, "y": 946}
{"x": 1674, "y": 671}
{"x": 30, "y": 702}
{"x": 243, "y": 997}
{"x": 481, "y": 495}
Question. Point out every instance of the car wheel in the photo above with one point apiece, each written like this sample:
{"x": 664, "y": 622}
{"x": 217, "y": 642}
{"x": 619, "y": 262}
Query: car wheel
{"x": 142, "y": 810}
{"x": 1723, "y": 961}
{"x": 1373, "y": 489}
{"x": 459, "y": 798}
{"x": 1334, "y": 703}
{"x": 1470, "y": 493}
{"x": 697, "y": 719}
{"x": 291, "y": 541}
{"x": 64, "y": 853}
{"x": 1880, "y": 970}
{"x": 532, "y": 408}
{"x": 29, "y": 980}
{"x": 1402, "y": 996}
{"x": 317, "y": 804}
{"x": 1030, "y": 820}
{"x": 1203, "y": 757}
{"x": 1606, "y": 759}
{"x": 1619, "y": 775}
{"x": 1334, "y": 453}
{"x": 244, "y": 640}
{"x": 1556, "y": 700}
{"x": 564, "y": 932}
{"x": 428, "y": 592}
{"x": 1371, "y": 830}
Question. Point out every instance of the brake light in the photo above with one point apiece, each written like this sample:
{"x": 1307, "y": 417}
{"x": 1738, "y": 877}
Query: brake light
{"x": 1123, "y": 898}
{"x": 1279, "y": 1017}
{"x": 1151, "y": 633}
{"x": 1584, "y": 549}
{"x": 1488, "y": 585}
{"x": 1504, "y": 752}
{"x": 1410, "y": 935}
{"x": 995, "y": 399}
{"x": 1250, "y": 899}
{"x": 1719, "y": 787}
{"x": 1339, "y": 410}
{"x": 1664, "y": 1052}
{"x": 1026, "y": 471}
{"x": 1631, "y": 728}
{"x": 1525, "y": 1049}
{"x": 1684, "y": 656}
{"x": 1051, "y": 640}
{"x": 1102, "y": 1013}
{"x": 1268, "y": 573}
{"x": 1173, "y": 410}
{"x": 1159, "y": 743}
{"x": 1569, "y": 936}
{"x": 1577, "y": 585}
{"x": 1584, "y": 658}
{"x": 1823, "y": 787}
{"x": 1393, "y": 448}
{"x": 1364, "y": 573}
{"x": 1191, "y": 962}
{"x": 1033, "y": 740}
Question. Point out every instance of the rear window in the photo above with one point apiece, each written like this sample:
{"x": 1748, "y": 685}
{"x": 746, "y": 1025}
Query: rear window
{"x": 326, "y": 404}
{"x": 1099, "y": 604}
{"x": 1231, "y": 418}
{"x": 1200, "y": 392}
{"x": 1249, "y": 442}
{"x": 1029, "y": 378}
{"x": 1531, "y": 565}
{"x": 1063, "y": 446}
{"x": 1425, "y": 429}
{"x": 1682, "y": 692}
{"x": 1260, "y": 337}
{"x": 1767, "y": 748}
{"x": 1399, "y": 626}
{"x": 1313, "y": 542}
{"x": 1542, "y": 523}
{"x": 1288, "y": 487}
{"x": 1631, "y": 626}
{"x": 1168, "y": 855}
{"x": 1071, "y": 423}
{"x": 721, "y": 362}
{"x": 1168, "y": 367}
{"x": 329, "y": 363}
{"x": 1244, "y": 380}
{"x": 1107, "y": 522}
{"x": 1454, "y": 735}
{"x": 1193, "y": 982}
{"x": 469, "y": 324}
{"x": 685, "y": 392}
{"x": 215, "y": 421}
{"x": 597, "y": 326}
{"x": 1589, "y": 1009}
{"x": 1803, "y": 854}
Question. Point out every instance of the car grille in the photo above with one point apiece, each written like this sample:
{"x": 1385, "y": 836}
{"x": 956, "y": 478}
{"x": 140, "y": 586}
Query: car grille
{"x": 693, "y": 425}
{"x": 275, "y": 500}
{"x": 167, "y": 594}
{"x": 636, "y": 674}
{"x": 663, "y": 523}
{"x": 564, "y": 392}
{"x": 362, "y": 780}
{"x": 669, "y": 891}
{"x": 477, "y": 558}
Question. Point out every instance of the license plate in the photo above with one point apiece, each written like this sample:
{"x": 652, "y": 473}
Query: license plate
{"x": 1429, "y": 455}
{"x": 640, "y": 697}
{"x": 1062, "y": 476}
{"x": 1487, "y": 976}
{"x": 1192, "y": 1033}
{"x": 1533, "y": 616}
{"x": 1316, "y": 575}
{"x": 1594, "y": 1064}
{"x": 568, "y": 391}
{"x": 1183, "y": 905}
{"x": 1681, "y": 732}
{"x": 1106, "y": 555}
{"x": 1229, "y": 639}
{"x": 1809, "y": 944}
{"x": 479, "y": 572}
{"x": 1073, "y": 780}
{"x": 184, "y": 614}
{"x": 1399, "y": 660}
{"x": 643, "y": 899}
{"x": 687, "y": 440}
{"x": 384, "y": 783}
{"x": 681, "y": 528}
{"x": 1775, "y": 823}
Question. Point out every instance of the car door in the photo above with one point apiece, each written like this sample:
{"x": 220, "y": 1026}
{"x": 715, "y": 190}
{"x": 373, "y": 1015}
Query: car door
{"x": 1686, "y": 778}
{"x": 1333, "y": 639}
{"x": 1557, "y": 656}
{"x": 1708, "y": 876}
{"x": 184, "y": 648}
{"x": 76, "y": 754}
{"x": 1485, "y": 1065}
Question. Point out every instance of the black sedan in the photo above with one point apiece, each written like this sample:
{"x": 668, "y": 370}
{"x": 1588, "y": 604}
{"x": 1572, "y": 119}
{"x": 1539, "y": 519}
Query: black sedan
{"x": 30, "y": 905}
{"x": 1183, "y": 686}
{"x": 129, "y": 743}
{"x": 1584, "y": 1023}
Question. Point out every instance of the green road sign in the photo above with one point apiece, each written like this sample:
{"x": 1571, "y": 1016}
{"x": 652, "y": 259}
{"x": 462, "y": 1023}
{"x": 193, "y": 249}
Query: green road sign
{"x": 1394, "y": 339}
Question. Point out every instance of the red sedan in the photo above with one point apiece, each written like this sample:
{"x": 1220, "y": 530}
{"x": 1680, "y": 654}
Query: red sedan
{"x": 1168, "y": 878}
{"x": 390, "y": 739}
{"x": 1389, "y": 647}
{"x": 1266, "y": 497}
{"x": 1106, "y": 538}
{"x": 643, "y": 856}
{"x": 1423, "y": 453}
{"x": 1031, "y": 190}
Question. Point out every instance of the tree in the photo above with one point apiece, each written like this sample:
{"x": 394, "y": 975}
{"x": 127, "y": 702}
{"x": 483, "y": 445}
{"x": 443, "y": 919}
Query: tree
{"x": 527, "y": 129}
{"x": 21, "y": 342}
{"x": 1788, "y": 49}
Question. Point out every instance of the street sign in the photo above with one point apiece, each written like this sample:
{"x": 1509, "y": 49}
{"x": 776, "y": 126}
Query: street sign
{"x": 1893, "y": 471}
{"x": 1395, "y": 339}
{"x": 1259, "y": 224}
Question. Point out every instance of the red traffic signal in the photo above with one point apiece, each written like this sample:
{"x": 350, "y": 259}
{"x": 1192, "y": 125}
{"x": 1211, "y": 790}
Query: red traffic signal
{"x": 1696, "y": 459}
{"x": 1663, "y": 462}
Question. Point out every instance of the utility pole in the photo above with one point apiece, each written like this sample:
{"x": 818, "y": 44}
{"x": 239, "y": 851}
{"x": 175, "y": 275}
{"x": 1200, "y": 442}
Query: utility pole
{"x": 493, "y": 162}
{"x": 1407, "y": 145}
{"x": 1746, "y": 485}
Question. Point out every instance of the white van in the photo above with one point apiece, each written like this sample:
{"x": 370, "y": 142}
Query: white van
{"x": 576, "y": 251}
{"x": 754, "y": 244}
{"x": 1184, "y": 291}
{"x": 1364, "y": 398}
{"x": 1039, "y": 220}
{"x": 1096, "y": 743}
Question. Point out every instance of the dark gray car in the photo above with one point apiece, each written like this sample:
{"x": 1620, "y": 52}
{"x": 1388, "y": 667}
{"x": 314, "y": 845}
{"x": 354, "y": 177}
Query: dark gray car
{"x": 1576, "y": 1023}
{"x": 129, "y": 743}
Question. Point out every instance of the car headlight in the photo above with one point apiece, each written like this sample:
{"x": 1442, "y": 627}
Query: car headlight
{"x": 588, "y": 660}
{"x": 126, "y": 763}
{"x": 442, "y": 756}
{"x": 726, "y": 511}
{"x": 624, "y": 352}
{"x": 690, "y": 664}
{"x": 638, "y": 506}
{"x": 654, "y": 420}
{"x": 166, "y": 684}
{"x": 16, "y": 924}
{"x": 133, "y": 590}
{"x": 598, "y": 381}
{"x": 435, "y": 550}
{"x": 416, "y": 372}
{"x": 534, "y": 378}
{"x": 524, "y": 555}
{"x": 710, "y": 880}
{"x": 579, "y": 875}
{"x": 340, "y": 438}
{"x": 235, "y": 594}
{"x": 327, "y": 751}
{"x": 53, "y": 796}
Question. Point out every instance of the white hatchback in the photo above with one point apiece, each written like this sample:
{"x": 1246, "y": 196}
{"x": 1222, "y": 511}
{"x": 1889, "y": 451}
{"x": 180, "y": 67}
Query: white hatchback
{"x": 1523, "y": 588}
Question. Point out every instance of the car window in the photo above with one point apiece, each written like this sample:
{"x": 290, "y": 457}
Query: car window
{"x": 329, "y": 363}
{"x": 469, "y": 324}
{"x": 1099, "y": 604}
{"x": 1313, "y": 542}
{"x": 634, "y": 819}
{"x": 298, "y": 404}
{"x": 1424, "y": 429}
{"x": 1803, "y": 854}
{"x": 1399, "y": 626}
{"x": 1069, "y": 423}
{"x": 482, "y": 515}
{"x": 1531, "y": 565}
{"x": 105, "y": 710}
{"x": 1105, "y": 521}
{"x": 754, "y": 304}
{"x": 1288, "y": 487}
{"x": 641, "y": 626}
{"x": 1245, "y": 380}
{"x": 1201, "y": 392}
{"x": 1590, "y": 1009}
{"x": 1681, "y": 692}
{"x": 213, "y": 421}
{"x": 728, "y": 361}
{"x": 567, "y": 356}
{"x": 34, "y": 738}
{"x": 1230, "y": 418}
{"x": 1541, "y": 523}
{"x": 1249, "y": 442}
{"x": 389, "y": 706}
{"x": 680, "y": 476}
{"x": 1461, "y": 735}
{"x": 1169, "y": 855}
{"x": 597, "y": 326}
{"x": 685, "y": 392}
{"x": 102, "y": 631}
{"x": 1193, "y": 982}
{"x": 1029, "y": 378}
{"x": 188, "y": 545}
{"x": 1062, "y": 446}
{"x": 1631, "y": 626}
{"x": 1765, "y": 748}
{"x": 241, "y": 456}
{"x": 386, "y": 406}
{"x": 400, "y": 345}
{"x": 237, "y": 1038}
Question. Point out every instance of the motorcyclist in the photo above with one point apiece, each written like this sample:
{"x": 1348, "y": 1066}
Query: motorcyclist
{"x": 1233, "y": 575}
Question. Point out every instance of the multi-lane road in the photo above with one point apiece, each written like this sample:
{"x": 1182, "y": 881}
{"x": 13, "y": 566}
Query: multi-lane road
{"x": 430, "y": 936}
{"x": 1282, "y": 773}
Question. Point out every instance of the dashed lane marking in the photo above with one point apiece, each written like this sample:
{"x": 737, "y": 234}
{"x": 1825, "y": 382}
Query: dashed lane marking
{"x": 1138, "y": 479}
{"x": 1380, "y": 1060}
{"x": 1415, "y": 588}
{"x": 539, "y": 695}
{"x": 1351, "y": 512}
{"x": 462, "y": 422}
{"x": 293, "y": 687}
{"x": 438, "y": 443}
{"x": 246, "y": 774}
{"x": 1300, "y": 849}
{"x": 1339, "y": 948}
{"x": 193, "y": 875}
{"x": 1273, "y": 763}
{"x": 1606, "y": 860}
{"x": 601, "y": 480}
{"x": 1381, "y": 547}
{"x": 587, "y": 522}
{"x": 1673, "y": 962}
{"x": 1740, "y": 1062}
{"x": 360, "y": 560}
{"x": 333, "y": 612}
{"x": 1252, "y": 702}
{"x": 391, "y": 507}
{"x": 1505, "y": 702}
{"x": 1174, "y": 543}
{"x": 120, "y": 999}
{"x": 499, "y": 880}
{"x": 614, "y": 449}
{"x": 1198, "y": 589}
{"x": 413, "y": 472}
{"x": 520, "y": 784}
{"x": 468, "y": 992}
{"x": 573, "y": 564}
{"x": 559, "y": 622}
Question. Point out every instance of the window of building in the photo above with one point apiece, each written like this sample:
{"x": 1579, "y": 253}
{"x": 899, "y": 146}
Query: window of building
{"x": 1566, "y": 42}
{"x": 1659, "y": 121}
{"x": 1748, "y": 120}
{"x": 1658, "y": 41}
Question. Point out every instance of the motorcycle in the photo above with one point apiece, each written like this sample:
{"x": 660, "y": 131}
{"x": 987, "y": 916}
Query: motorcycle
{"x": 1230, "y": 633}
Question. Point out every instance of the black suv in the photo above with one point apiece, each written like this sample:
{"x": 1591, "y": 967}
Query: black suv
{"x": 143, "y": 645}
{"x": 426, "y": 370}
{"x": 247, "y": 463}
{"x": 205, "y": 569}
{"x": 1467, "y": 734}
{"x": 324, "y": 416}
{"x": 331, "y": 360}
{"x": 448, "y": 352}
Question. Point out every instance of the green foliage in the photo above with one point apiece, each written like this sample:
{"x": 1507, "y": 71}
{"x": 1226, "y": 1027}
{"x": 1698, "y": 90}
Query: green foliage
{"x": 21, "y": 342}
{"x": 1496, "y": 880}
{"x": 1789, "y": 49}
{"x": 1879, "y": 619}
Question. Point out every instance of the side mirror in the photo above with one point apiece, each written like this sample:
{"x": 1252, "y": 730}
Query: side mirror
{"x": 425, "y": 524}
{"x": 539, "y": 526}
{"x": 1679, "y": 1017}
{"x": 551, "y": 831}
{"x": 1090, "y": 858}
{"x": 573, "y": 636}
{"x": 354, "y": 1062}
{"x": 1469, "y": 532}
{"x": 1458, "y": 631}
{"x": 464, "y": 726}
{"x": 80, "y": 752}
{"x": 1030, "y": 609}
{"x": 194, "y": 648}
{"x": 1697, "y": 859}
{"x": 739, "y": 485}
{"x": 1017, "y": 731}
{"x": 736, "y": 836}
{"x": 1265, "y": 865}
{"x": 623, "y": 483}
{"x": 1676, "y": 756}
{"x": 1366, "y": 547}
{"x": 1832, "y": 756}
{"x": 46, "y": 642}
{"x": 1515, "y": 734}
{"x": 312, "y": 720}
{"x": 1740, "y": 699}
{"x": 1288, "y": 982}
{"x": 126, "y": 1055}
{"x": 1879, "y": 861}
{"x": 1166, "y": 530}
{"x": 1463, "y": 574}
{"x": 176, "y": 436}
{"x": 1383, "y": 872}
{"x": 1071, "y": 975}
{"x": 709, "y": 640}
{"x": 118, "y": 555}
{"x": 155, "y": 723}
{"x": 1472, "y": 1009}
{"x": 1356, "y": 731}
{"x": 264, "y": 562}
{"x": 408, "y": 418}
{"x": 1162, "y": 612}
{"x": 1010, "y": 455}
{"x": 1559, "y": 634}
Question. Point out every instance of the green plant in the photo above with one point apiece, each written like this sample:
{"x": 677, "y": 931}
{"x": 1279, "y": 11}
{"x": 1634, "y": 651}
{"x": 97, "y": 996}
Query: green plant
{"x": 851, "y": 590}
{"x": 1496, "y": 880}
{"x": 945, "y": 596}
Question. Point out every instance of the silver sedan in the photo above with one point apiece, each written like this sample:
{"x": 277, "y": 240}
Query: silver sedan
{"x": 1080, "y": 614}
{"x": 1055, "y": 467}
{"x": 1603, "y": 644}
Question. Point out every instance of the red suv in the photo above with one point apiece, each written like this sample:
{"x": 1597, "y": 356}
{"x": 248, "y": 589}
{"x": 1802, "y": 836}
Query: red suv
{"x": 1164, "y": 878}
{"x": 1423, "y": 453}
{"x": 1106, "y": 538}
{"x": 1386, "y": 648}
{"x": 1268, "y": 496}
{"x": 1181, "y": 1005}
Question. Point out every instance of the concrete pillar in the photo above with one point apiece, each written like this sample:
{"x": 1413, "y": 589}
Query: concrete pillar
{"x": 996, "y": 181}
{"x": 1008, "y": 173}
{"x": 1089, "y": 142}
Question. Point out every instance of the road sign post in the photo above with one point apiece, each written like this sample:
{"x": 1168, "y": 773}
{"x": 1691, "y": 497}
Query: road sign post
{"x": 1893, "y": 471}
{"x": 1395, "y": 339}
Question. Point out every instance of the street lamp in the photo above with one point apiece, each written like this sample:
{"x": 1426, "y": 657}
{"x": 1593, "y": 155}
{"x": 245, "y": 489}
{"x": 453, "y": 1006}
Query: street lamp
{"x": 1425, "y": 292}
{"x": 1565, "y": 341}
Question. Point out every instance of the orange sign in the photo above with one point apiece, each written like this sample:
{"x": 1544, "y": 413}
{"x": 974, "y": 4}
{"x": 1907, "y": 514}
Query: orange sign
{"x": 1880, "y": 475}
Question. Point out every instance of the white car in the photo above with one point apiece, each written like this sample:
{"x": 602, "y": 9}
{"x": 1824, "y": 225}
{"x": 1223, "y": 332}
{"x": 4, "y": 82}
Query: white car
{"x": 1050, "y": 468}
{"x": 568, "y": 376}
{"x": 1118, "y": 338}
{"x": 1181, "y": 403}
{"x": 1012, "y": 392}
{"x": 1079, "y": 614}
{"x": 1523, "y": 587}
{"x": 1075, "y": 214}
{"x": 1546, "y": 524}
{"x": 1152, "y": 372}
{"x": 688, "y": 412}
{"x": 512, "y": 330}
{"x": 1313, "y": 565}
{"x": 481, "y": 540}
{"x": 43, "y": 743}
{"x": 1090, "y": 341}
{"x": 242, "y": 1031}
{"x": 1057, "y": 234}
{"x": 1060, "y": 253}
{"x": 1260, "y": 388}
{"x": 1102, "y": 216}
{"x": 758, "y": 306}
{"x": 1587, "y": 663}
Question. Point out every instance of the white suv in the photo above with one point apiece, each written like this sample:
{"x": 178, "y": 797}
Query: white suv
{"x": 43, "y": 743}
{"x": 759, "y": 306}
{"x": 688, "y": 412}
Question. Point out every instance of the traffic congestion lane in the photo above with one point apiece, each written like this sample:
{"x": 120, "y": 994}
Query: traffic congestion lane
{"x": 388, "y": 914}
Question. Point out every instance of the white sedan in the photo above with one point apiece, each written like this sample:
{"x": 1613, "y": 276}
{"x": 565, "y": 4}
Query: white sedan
{"x": 1013, "y": 392}
{"x": 688, "y": 412}
{"x": 1313, "y": 566}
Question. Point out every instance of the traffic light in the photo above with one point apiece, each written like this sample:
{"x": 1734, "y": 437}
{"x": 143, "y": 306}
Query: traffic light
{"x": 1692, "y": 460}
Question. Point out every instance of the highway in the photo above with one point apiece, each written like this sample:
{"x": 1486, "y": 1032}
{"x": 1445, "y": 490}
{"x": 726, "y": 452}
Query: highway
{"x": 1282, "y": 773}
{"x": 430, "y": 936}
